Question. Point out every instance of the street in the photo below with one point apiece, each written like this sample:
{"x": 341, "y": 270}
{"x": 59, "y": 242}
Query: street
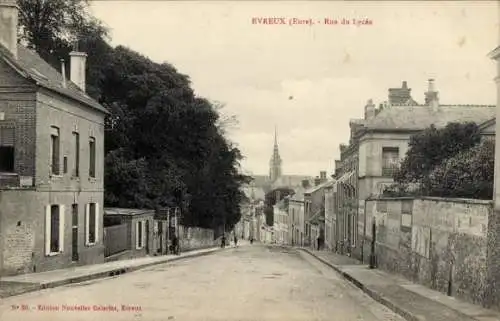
{"x": 252, "y": 282}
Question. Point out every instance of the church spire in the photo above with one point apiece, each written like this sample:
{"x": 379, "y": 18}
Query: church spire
{"x": 275, "y": 163}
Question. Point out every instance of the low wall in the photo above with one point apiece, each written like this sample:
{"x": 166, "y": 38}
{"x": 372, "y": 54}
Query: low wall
{"x": 115, "y": 239}
{"x": 193, "y": 238}
{"x": 440, "y": 243}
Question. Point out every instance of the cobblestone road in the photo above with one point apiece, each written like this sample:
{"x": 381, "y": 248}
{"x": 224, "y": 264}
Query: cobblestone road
{"x": 247, "y": 283}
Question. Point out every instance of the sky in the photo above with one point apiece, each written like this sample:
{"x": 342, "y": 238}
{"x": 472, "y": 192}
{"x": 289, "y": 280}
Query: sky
{"x": 310, "y": 80}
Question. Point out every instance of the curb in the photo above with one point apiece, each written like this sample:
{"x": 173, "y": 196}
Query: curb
{"x": 373, "y": 294}
{"x": 32, "y": 287}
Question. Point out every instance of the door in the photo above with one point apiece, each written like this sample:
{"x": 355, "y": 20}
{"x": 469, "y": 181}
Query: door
{"x": 74, "y": 232}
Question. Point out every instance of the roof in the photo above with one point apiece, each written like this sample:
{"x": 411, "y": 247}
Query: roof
{"x": 31, "y": 66}
{"x": 298, "y": 195}
{"x": 421, "y": 117}
{"x": 126, "y": 211}
{"x": 290, "y": 181}
{"x": 320, "y": 186}
{"x": 487, "y": 124}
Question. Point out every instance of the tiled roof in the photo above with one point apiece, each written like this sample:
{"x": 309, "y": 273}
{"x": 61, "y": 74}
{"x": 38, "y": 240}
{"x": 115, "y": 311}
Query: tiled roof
{"x": 30, "y": 65}
{"x": 421, "y": 117}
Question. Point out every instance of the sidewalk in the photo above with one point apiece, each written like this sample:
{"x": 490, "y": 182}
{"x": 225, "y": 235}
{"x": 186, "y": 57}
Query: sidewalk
{"x": 412, "y": 301}
{"x": 19, "y": 284}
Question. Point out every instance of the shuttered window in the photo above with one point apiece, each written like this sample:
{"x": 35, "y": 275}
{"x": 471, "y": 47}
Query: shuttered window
{"x": 7, "y": 154}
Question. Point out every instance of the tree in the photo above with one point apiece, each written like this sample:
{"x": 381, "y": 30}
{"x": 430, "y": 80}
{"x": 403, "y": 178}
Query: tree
{"x": 469, "y": 174}
{"x": 51, "y": 27}
{"x": 164, "y": 145}
{"x": 271, "y": 198}
{"x": 430, "y": 147}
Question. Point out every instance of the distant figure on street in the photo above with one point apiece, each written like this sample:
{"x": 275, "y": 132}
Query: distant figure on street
{"x": 223, "y": 242}
{"x": 175, "y": 245}
{"x": 251, "y": 240}
{"x": 320, "y": 243}
{"x": 235, "y": 241}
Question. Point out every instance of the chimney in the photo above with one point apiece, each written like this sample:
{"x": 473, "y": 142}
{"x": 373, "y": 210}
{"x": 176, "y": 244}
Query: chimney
{"x": 317, "y": 181}
{"x": 322, "y": 175}
{"x": 305, "y": 183}
{"x": 63, "y": 73}
{"x": 431, "y": 96}
{"x": 77, "y": 65}
{"x": 369, "y": 109}
{"x": 8, "y": 25}
{"x": 399, "y": 96}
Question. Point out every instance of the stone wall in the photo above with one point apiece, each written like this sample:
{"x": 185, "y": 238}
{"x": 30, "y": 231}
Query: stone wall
{"x": 193, "y": 238}
{"x": 440, "y": 243}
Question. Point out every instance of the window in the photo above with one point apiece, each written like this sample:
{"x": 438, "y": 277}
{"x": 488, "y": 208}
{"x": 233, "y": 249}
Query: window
{"x": 54, "y": 229}
{"x": 92, "y": 223}
{"x": 390, "y": 160}
{"x": 140, "y": 234}
{"x": 65, "y": 164}
{"x": 54, "y": 151}
{"x": 76, "y": 151}
{"x": 92, "y": 157}
{"x": 7, "y": 149}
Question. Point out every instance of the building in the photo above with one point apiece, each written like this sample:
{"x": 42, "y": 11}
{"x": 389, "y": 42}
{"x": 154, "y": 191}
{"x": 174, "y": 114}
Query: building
{"x": 51, "y": 160}
{"x": 280, "y": 224}
{"x": 261, "y": 185}
{"x": 377, "y": 145}
{"x": 296, "y": 214}
{"x": 129, "y": 233}
{"x": 314, "y": 210}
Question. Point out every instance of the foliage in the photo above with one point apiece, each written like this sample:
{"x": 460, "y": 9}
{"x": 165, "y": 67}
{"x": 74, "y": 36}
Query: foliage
{"x": 430, "y": 147}
{"x": 470, "y": 174}
{"x": 271, "y": 198}
{"x": 164, "y": 146}
{"x": 448, "y": 162}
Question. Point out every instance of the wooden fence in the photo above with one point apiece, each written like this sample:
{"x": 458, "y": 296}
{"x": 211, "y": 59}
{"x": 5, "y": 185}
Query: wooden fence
{"x": 115, "y": 239}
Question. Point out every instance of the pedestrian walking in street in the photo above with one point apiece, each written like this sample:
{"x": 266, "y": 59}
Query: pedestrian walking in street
{"x": 223, "y": 241}
{"x": 235, "y": 241}
{"x": 175, "y": 245}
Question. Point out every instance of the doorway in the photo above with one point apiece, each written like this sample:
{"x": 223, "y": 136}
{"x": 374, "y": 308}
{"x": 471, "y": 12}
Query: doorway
{"x": 74, "y": 232}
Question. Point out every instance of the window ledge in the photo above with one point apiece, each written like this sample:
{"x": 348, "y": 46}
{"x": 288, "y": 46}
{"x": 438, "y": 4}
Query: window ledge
{"x": 75, "y": 178}
{"x": 53, "y": 253}
{"x": 91, "y": 244}
{"x": 92, "y": 179}
{"x": 52, "y": 176}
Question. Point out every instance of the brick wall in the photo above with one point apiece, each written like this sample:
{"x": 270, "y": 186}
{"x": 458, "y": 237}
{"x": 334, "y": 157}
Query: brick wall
{"x": 434, "y": 242}
{"x": 17, "y": 103}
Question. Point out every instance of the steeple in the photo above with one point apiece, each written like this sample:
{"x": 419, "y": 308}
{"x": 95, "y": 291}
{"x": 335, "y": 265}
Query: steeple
{"x": 275, "y": 162}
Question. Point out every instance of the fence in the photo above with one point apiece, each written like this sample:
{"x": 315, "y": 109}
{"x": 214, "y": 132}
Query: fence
{"x": 115, "y": 239}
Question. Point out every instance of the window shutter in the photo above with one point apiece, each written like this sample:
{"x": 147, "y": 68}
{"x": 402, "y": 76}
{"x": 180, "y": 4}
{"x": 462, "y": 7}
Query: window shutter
{"x": 62, "y": 215}
{"x": 137, "y": 235}
{"x": 143, "y": 233}
{"x": 97, "y": 225}
{"x": 47, "y": 230}
{"x": 87, "y": 211}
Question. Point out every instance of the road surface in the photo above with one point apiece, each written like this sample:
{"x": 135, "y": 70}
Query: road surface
{"x": 252, "y": 282}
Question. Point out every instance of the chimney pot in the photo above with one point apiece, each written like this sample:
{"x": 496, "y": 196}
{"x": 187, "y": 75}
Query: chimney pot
{"x": 9, "y": 13}
{"x": 405, "y": 85}
{"x": 63, "y": 73}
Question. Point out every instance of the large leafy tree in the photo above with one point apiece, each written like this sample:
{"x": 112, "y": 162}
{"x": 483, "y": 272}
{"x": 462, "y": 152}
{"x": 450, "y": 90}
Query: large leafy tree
{"x": 469, "y": 174}
{"x": 164, "y": 145}
{"x": 430, "y": 147}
